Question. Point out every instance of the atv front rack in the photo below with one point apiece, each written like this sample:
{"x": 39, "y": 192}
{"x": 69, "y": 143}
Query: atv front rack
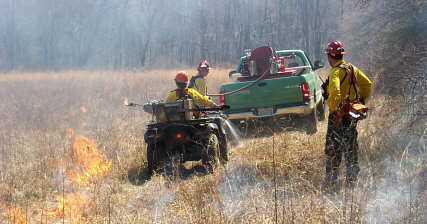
{"x": 181, "y": 110}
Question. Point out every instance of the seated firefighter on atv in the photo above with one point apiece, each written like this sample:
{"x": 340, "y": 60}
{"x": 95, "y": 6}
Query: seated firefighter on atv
{"x": 183, "y": 92}
{"x": 201, "y": 101}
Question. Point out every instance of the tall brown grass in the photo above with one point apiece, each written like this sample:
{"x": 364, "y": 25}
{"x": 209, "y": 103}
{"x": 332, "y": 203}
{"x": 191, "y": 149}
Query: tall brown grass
{"x": 37, "y": 110}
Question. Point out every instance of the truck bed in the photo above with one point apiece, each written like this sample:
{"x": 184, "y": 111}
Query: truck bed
{"x": 277, "y": 92}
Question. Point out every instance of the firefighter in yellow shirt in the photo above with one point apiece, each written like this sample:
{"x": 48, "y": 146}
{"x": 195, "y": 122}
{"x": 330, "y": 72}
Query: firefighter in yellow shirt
{"x": 182, "y": 92}
{"x": 198, "y": 82}
{"x": 341, "y": 136}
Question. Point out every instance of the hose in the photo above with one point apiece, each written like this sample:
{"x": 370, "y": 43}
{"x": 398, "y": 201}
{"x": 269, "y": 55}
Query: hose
{"x": 249, "y": 85}
{"x": 244, "y": 87}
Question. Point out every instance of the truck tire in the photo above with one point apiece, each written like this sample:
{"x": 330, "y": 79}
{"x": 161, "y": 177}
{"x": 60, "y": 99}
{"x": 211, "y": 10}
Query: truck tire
{"x": 211, "y": 153}
{"x": 312, "y": 122}
{"x": 223, "y": 150}
{"x": 321, "y": 110}
{"x": 241, "y": 126}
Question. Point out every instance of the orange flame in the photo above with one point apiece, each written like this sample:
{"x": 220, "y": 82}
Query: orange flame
{"x": 126, "y": 101}
{"x": 79, "y": 178}
{"x": 83, "y": 109}
{"x": 90, "y": 159}
{"x": 92, "y": 165}
{"x": 75, "y": 111}
{"x": 15, "y": 215}
{"x": 75, "y": 206}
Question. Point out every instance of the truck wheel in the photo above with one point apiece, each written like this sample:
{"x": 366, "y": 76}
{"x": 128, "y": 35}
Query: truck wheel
{"x": 210, "y": 155}
{"x": 242, "y": 127}
{"x": 152, "y": 158}
{"x": 312, "y": 122}
{"x": 321, "y": 111}
{"x": 223, "y": 149}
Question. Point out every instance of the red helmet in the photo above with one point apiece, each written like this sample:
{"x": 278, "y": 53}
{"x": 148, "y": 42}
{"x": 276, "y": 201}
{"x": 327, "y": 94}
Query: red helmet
{"x": 181, "y": 77}
{"x": 204, "y": 64}
{"x": 335, "y": 47}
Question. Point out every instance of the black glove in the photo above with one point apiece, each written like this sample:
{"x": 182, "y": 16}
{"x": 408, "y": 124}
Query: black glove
{"x": 325, "y": 89}
{"x": 225, "y": 107}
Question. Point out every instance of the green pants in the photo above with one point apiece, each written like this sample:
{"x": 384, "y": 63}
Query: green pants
{"x": 341, "y": 140}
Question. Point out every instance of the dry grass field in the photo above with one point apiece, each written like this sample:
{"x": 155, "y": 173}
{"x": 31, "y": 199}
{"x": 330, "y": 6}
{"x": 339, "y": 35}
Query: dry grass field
{"x": 70, "y": 152}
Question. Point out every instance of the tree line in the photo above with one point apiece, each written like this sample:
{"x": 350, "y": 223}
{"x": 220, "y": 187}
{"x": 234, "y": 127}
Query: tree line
{"x": 128, "y": 34}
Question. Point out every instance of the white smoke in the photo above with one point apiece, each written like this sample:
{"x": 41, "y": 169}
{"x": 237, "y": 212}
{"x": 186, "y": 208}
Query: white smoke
{"x": 389, "y": 204}
{"x": 234, "y": 134}
{"x": 152, "y": 200}
{"x": 394, "y": 200}
{"x": 242, "y": 191}
{"x": 162, "y": 203}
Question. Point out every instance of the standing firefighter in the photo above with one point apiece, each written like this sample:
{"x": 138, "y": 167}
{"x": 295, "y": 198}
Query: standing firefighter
{"x": 198, "y": 82}
{"x": 348, "y": 88}
{"x": 182, "y": 92}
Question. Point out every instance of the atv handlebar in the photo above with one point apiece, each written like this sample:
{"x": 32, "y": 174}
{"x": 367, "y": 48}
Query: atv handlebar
{"x": 205, "y": 109}
{"x": 133, "y": 105}
{"x": 217, "y": 108}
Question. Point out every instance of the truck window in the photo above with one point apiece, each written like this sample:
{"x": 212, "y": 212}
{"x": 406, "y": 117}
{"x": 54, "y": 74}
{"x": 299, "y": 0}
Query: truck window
{"x": 243, "y": 66}
{"x": 293, "y": 59}
{"x": 294, "y": 62}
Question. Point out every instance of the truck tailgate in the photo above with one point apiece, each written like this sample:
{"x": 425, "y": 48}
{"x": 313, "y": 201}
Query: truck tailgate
{"x": 266, "y": 93}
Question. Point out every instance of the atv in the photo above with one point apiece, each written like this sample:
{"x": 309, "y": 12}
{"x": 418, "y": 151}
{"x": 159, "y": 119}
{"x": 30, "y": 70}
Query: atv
{"x": 180, "y": 132}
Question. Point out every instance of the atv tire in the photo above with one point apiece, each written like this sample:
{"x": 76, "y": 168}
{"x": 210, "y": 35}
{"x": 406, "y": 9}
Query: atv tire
{"x": 211, "y": 153}
{"x": 321, "y": 111}
{"x": 153, "y": 158}
{"x": 223, "y": 149}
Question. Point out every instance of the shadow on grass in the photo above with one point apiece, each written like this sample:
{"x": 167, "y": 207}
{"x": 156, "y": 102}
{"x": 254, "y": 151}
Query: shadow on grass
{"x": 267, "y": 127}
{"x": 140, "y": 176}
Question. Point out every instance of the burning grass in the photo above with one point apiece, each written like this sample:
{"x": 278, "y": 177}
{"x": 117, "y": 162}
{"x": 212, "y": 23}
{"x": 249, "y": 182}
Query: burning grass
{"x": 94, "y": 165}
{"x": 68, "y": 146}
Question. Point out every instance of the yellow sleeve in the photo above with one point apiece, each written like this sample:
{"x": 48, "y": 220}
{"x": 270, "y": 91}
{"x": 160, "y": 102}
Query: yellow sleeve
{"x": 334, "y": 89}
{"x": 199, "y": 99}
{"x": 171, "y": 97}
{"x": 364, "y": 84}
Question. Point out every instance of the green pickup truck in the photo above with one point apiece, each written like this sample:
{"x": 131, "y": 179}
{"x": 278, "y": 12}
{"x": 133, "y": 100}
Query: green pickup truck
{"x": 288, "y": 86}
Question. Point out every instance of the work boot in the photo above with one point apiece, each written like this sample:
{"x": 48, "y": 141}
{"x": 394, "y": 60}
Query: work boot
{"x": 351, "y": 182}
{"x": 352, "y": 173}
